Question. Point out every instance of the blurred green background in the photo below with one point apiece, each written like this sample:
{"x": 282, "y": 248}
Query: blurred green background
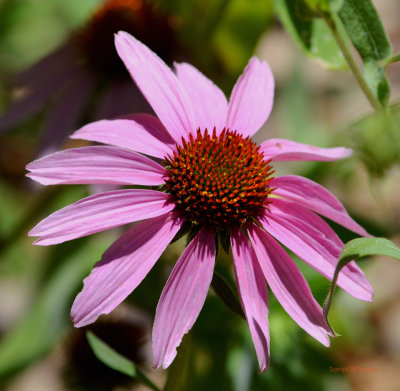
{"x": 313, "y": 105}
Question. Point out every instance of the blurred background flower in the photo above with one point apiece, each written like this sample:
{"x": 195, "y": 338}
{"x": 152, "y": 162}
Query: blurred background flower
{"x": 87, "y": 66}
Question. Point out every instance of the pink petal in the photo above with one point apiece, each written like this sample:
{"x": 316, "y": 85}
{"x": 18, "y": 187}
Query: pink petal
{"x": 208, "y": 101}
{"x": 316, "y": 197}
{"x": 120, "y": 97}
{"x": 66, "y": 112}
{"x": 139, "y": 132}
{"x": 251, "y": 99}
{"x": 98, "y": 164}
{"x": 314, "y": 241}
{"x": 289, "y": 285}
{"x": 122, "y": 268}
{"x": 100, "y": 212}
{"x": 183, "y": 297}
{"x": 253, "y": 293}
{"x": 277, "y": 149}
{"x": 159, "y": 85}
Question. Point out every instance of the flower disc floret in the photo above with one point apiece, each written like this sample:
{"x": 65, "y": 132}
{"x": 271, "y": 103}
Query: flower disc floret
{"x": 219, "y": 181}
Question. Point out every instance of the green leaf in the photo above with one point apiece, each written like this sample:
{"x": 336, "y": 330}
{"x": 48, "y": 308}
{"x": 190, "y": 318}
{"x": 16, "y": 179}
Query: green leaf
{"x": 355, "y": 249}
{"x": 311, "y": 34}
{"x": 363, "y": 247}
{"x": 108, "y": 356}
{"x": 368, "y": 36}
{"x": 365, "y": 29}
{"x": 225, "y": 293}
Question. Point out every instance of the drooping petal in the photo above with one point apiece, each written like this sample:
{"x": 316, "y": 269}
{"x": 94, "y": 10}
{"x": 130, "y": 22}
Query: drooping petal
{"x": 120, "y": 97}
{"x": 35, "y": 99}
{"x": 98, "y": 164}
{"x": 253, "y": 293}
{"x": 289, "y": 285}
{"x": 139, "y": 132}
{"x": 316, "y": 197}
{"x": 314, "y": 241}
{"x": 66, "y": 112}
{"x": 183, "y": 297}
{"x": 252, "y": 97}
{"x": 159, "y": 85}
{"x": 55, "y": 62}
{"x": 100, "y": 212}
{"x": 277, "y": 149}
{"x": 208, "y": 101}
{"x": 123, "y": 267}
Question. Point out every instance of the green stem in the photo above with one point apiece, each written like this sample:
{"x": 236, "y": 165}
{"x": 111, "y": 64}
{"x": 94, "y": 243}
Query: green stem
{"x": 329, "y": 19}
{"x": 393, "y": 59}
{"x": 386, "y": 61}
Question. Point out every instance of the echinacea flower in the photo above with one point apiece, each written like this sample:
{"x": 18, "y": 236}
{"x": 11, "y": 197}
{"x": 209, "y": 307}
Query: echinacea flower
{"x": 87, "y": 62}
{"x": 213, "y": 180}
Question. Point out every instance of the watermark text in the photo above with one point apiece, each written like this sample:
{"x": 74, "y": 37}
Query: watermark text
{"x": 353, "y": 368}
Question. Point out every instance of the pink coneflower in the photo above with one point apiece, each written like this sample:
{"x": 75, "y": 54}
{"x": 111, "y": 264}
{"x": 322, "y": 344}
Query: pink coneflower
{"x": 213, "y": 180}
{"x": 88, "y": 63}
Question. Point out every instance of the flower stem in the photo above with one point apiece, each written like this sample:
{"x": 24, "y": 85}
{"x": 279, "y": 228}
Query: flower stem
{"x": 350, "y": 61}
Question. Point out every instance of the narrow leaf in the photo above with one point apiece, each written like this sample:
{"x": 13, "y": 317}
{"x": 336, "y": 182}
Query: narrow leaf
{"x": 365, "y": 29}
{"x": 311, "y": 34}
{"x": 355, "y": 249}
{"x": 368, "y": 36}
{"x": 110, "y": 357}
{"x": 116, "y": 361}
{"x": 225, "y": 293}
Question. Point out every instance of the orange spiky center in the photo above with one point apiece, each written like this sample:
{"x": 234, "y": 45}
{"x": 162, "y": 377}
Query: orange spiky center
{"x": 218, "y": 181}
{"x": 140, "y": 18}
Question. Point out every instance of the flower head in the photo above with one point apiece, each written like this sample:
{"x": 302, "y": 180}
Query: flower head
{"x": 212, "y": 177}
{"x": 218, "y": 181}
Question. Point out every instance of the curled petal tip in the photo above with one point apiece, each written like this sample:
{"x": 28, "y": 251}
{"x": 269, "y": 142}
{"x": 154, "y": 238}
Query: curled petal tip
{"x": 347, "y": 152}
